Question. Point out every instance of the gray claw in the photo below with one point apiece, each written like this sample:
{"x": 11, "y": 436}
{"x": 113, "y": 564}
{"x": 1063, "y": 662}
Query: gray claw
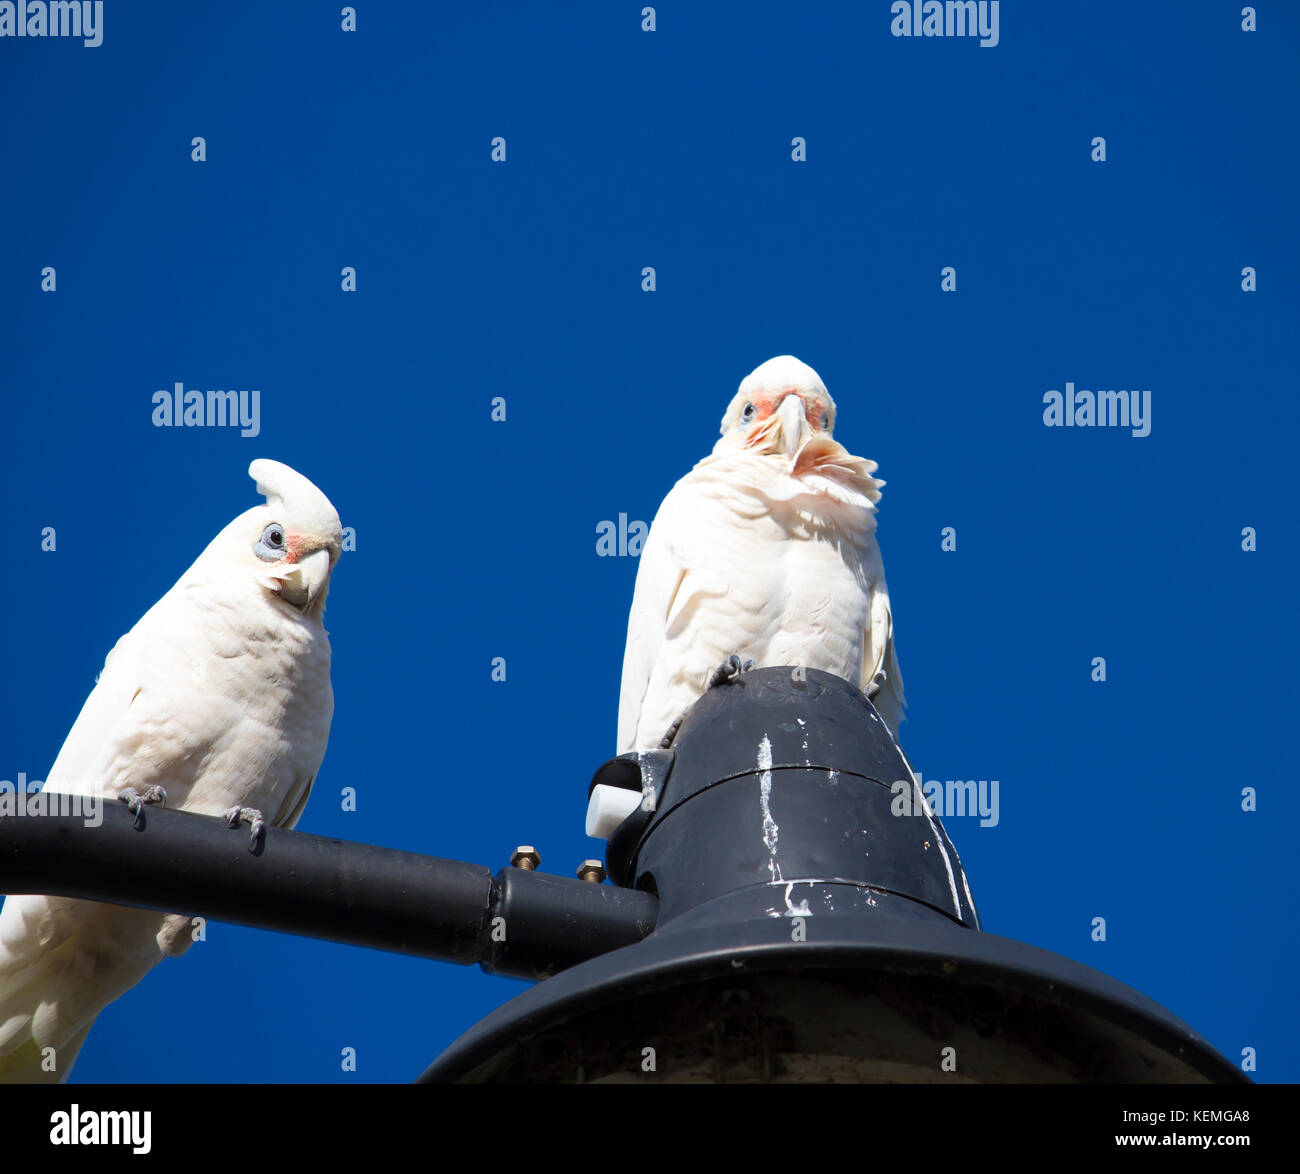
{"x": 257, "y": 824}
{"x": 665, "y": 743}
{"x": 135, "y": 802}
{"x": 729, "y": 668}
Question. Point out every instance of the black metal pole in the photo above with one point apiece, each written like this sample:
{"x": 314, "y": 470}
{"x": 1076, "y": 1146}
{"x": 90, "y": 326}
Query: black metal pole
{"x": 805, "y": 925}
{"x": 519, "y": 923}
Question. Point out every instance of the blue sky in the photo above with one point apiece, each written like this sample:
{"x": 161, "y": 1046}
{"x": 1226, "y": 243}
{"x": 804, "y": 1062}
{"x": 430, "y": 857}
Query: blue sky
{"x": 522, "y": 279}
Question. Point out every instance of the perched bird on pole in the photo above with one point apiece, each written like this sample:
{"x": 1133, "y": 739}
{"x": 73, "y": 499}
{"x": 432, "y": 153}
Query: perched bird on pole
{"x": 765, "y": 552}
{"x": 218, "y": 701}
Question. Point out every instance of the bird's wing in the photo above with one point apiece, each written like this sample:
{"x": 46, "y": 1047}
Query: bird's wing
{"x": 79, "y": 767}
{"x": 658, "y": 579}
{"x": 151, "y": 715}
{"x": 881, "y": 679}
{"x": 292, "y": 808}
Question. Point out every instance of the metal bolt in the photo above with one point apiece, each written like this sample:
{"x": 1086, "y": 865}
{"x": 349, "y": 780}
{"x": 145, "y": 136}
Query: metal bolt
{"x": 591, "y": 870}
{"x": 525, "y": 857}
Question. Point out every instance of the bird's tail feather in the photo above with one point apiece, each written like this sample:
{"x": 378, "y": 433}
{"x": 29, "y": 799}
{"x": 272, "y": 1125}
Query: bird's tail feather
{"x": 61, "y": 963}
{"x": 24, "y": 993}
{"x": 31, "y": 1064}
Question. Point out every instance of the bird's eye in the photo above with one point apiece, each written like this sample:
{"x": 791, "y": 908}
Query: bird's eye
{"x": 271, "y": 545}
{"x": 825, "y": 419}
{"x": 748, "y": 413}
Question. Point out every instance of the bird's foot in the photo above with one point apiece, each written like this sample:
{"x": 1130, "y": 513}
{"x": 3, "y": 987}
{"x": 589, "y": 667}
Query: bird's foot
{"x": 250, "y": 815}
{"x": 728, "y": 670}
{"x": 135, "y": 802}
{"x": 666, "y": 742}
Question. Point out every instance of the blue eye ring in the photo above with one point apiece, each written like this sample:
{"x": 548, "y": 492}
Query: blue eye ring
{"x": 271, "y": 546}
{"x": 748, "y": 414}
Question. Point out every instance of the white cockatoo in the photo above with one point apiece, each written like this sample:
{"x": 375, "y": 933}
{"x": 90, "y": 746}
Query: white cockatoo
{"x": 219, "y": 702}
{"x": 766, "y": 552}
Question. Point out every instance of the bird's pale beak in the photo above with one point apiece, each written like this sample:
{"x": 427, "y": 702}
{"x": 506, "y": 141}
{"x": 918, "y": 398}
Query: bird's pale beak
{"x": 305, "y": 580}
{"x": 793, "y": 418}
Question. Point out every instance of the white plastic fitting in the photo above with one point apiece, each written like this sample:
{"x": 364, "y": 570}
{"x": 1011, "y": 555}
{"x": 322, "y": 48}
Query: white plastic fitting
{"x": 608, "y": 807}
